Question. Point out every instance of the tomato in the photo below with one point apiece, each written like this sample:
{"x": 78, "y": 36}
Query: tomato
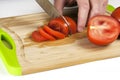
{"x": 72, "y": 24}
{"x": 54, "y": 33}
{"x": 116, "y": 14}
{"x": 56, "y": 29}
{"x": 103, "y": 30}
{"x": 59, "y": 24}
{"x": 46, "y": 35}
{"x": 37, "y": 37}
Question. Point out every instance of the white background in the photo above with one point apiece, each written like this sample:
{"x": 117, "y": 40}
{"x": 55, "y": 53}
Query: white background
{"x": 99, "y": 70}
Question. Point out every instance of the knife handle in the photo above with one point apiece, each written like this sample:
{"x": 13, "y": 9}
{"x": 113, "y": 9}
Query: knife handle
{"x": 8, "y": 53}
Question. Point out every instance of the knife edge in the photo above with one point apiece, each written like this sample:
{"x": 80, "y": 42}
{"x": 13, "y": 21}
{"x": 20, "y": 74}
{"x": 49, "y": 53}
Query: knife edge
{"x": 49, "y": 8}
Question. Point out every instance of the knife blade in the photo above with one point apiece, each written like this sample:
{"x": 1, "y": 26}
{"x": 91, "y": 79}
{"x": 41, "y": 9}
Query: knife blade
{"x": 52, "y": 11}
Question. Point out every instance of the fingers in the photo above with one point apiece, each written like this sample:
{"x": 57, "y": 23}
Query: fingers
{"x": 82, "y": 13}
{"x": 86, "y": 9}
{"x": 83, "y": 10}
{"x": 98, "y": 7}
{"x": 59, "y": 4}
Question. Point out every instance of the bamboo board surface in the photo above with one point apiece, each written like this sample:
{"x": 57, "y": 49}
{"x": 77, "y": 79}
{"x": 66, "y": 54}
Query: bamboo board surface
{"x": 36, "y": 57}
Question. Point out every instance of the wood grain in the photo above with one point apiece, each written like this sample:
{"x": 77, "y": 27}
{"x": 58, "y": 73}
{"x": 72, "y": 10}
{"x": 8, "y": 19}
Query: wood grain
{"x": 36, "y": 57}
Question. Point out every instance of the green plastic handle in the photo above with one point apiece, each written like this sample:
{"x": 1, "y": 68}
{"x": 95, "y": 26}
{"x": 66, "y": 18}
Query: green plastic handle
{"x": 110, "y": 8}
{"x": 8, "y": 53}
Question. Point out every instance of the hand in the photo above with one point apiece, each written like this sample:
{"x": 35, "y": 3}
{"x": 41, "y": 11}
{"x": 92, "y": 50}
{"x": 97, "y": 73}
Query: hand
{"x": 86, "y": 9}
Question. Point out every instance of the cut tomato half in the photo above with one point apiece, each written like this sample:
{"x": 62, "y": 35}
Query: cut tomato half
{"x": 102, "y": 30}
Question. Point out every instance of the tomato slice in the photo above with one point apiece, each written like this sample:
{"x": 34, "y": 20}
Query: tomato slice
{"x": 46, "y": 35}
{"x": 53, "y": 32}
{"x": 37, "y": 37}
{"x": 59, "y": 24}
{"x": 102, "y": 30}
{"x": 72, "y": 24}
{"x": 116, "y": 14}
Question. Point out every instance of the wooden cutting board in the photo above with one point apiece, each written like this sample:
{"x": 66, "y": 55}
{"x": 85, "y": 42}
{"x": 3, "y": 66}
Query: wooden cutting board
{"x": 35, "y": 57}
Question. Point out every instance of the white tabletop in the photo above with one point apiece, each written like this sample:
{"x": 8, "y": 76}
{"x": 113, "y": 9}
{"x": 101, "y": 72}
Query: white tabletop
{"x": 99, "y": 70}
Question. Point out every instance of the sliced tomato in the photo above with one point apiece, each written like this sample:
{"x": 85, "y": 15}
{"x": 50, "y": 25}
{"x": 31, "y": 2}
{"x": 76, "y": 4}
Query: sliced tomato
{"x": 56, "y": 34}
{"x": 37, "y": 37}
{"x": 102, "y": 30}
{"x": 72, "y": 24}
{"x": 116, "y": 14}
{"x": 46, "y": 35}
{"x": 59, "y": 24}
{"x": 56, "y": 29}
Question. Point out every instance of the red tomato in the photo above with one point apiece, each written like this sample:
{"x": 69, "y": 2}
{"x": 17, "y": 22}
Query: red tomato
{"x": 37, "y": 37}
{"x": 56, "y": 29}
{"x": 59, "y": 24}
{"x": 102, "y": 30}
{"x": 46, "y": 35}
{"x": 116, "y": 14}
{"x": 72, "y": 24}
{"x": 54, "y": 33}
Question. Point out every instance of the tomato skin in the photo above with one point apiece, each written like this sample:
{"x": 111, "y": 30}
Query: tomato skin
{"x": 46, "y": 35}
{"x": 37, "y": 37}
{"x": 103, "y": 30}
{"x": 72, "y": 24}
{"x": 54, "y": 33}
{"x": 59, "y": 24}
{"x": 116, "y": 14}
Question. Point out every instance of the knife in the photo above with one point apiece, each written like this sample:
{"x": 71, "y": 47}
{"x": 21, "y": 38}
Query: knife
{"x": 52, "y": 11}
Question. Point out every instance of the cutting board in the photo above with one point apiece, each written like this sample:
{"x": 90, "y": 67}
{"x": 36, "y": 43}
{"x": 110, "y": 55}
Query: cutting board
{"x": 30, "y": 57}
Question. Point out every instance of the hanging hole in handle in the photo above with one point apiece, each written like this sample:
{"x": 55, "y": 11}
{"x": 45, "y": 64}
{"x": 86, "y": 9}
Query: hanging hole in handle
{"x": 6, "y": 42}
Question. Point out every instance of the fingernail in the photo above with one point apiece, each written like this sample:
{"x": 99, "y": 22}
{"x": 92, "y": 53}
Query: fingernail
{"x": 80, "y": 29}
